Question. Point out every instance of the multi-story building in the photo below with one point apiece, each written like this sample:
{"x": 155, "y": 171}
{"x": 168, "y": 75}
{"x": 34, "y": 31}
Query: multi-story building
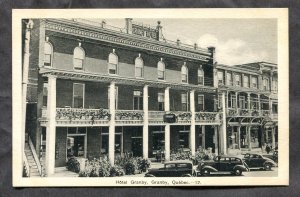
{"x": 251, "y": 104}
{"x": 97, "y": 90}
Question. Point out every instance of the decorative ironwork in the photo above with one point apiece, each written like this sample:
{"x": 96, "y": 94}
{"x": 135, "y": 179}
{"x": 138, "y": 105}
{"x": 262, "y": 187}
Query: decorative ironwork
{"x": 82, "y": 114}
{"x": 206, "y": 116}
{"x": 129, "y": 115}
{"x": 232, "y": 112}
{"x": 244, "y": 112}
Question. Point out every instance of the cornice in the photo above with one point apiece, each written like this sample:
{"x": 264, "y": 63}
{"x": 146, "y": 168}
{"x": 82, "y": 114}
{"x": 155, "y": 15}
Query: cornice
{"x": 242, "y": 89}
{"x": 85, "y": 76}
{"x": 237, "y": 70}
{"x": 101, "y": 34}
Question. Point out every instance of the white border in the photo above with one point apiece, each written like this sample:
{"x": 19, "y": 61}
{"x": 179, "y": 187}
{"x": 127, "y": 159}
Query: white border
{"x": 281, "y": 14}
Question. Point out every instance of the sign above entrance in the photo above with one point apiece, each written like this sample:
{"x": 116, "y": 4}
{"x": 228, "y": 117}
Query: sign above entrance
{"x": 170, "y": 118}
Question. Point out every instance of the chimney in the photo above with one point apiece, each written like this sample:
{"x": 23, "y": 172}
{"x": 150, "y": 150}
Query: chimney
{"x": 103, "y": 23}
{"x": 212, "y": 50}
{"x": 159, "y": 29}
{"x": 195, "y": 46}
{"x": 128, "y": 25}
{"x": 178, "y": 42}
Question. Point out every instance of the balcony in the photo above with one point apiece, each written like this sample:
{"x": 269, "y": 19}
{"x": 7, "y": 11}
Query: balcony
{"x": 132, "y": 117}
{"x": 183, "y": 117}
{"x": 245, "y": 112}
{"x": 156, "y": 117}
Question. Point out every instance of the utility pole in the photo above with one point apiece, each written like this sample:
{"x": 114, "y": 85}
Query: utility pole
{"x": 29, "y": 26}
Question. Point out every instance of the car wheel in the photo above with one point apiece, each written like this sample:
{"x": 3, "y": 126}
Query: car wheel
{"x": 205, "y": 172}
{"x": 238, "y": 172}
{"x": 267, "y": 166}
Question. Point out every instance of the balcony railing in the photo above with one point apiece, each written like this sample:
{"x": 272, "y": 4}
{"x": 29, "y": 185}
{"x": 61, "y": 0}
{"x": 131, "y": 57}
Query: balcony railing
{"x": 129, "y": 116}
{"x": 156, "y": 116}
{"x": 246, "y": 112}
{"x": 207, "y": 117}
{"x": 183, "y": 116}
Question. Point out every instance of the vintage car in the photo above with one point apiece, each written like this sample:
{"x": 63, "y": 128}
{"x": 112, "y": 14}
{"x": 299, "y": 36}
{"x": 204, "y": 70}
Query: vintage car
{"x": 222, "y": 164}
{"x": 257, "y": 161}
{"x": 180, "y": 168}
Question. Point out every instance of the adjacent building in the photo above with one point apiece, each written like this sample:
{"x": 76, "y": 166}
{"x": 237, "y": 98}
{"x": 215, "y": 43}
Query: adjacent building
{"x": 99, "y": 90}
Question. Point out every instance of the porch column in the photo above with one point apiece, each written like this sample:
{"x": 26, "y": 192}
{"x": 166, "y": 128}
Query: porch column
{"x": 236, "y": 101}
{"x": 193, "y": 123}
{"x": 222, "y": 132}
{"x": 216, "y": 139}
{"x": 167, "y": 127}
{"x": 203, "y": 136}
{"x": 248, "y": 102}
{"x": 51, "y": 126}
{"x": 270, "y": 106}
{"x": 273, "y": 137}
{"x": 259, "y": 107}
{"x": 111, "y": 134}
{"x": 239, "y": 136}
{"x": 249, "y": 137}
{"x": 146, "y": 123}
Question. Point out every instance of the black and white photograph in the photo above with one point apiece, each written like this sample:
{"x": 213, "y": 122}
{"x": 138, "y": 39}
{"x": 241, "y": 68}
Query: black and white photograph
{"x": 157, "y": 97}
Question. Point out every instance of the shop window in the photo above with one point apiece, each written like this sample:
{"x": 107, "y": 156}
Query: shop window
{"x": 161, "y": 101}
{"x": 184, "y": 139}
{"x": 184, "y": 74}
{"x": 200, "y": 76}
{"x": 246, "y": 82}
{"x": 45, "y": 94}
{"x": 254, "y": 82}
{"x": 184, "y": 102}
{"x": 200, "y": 102}
{"x": 78, "y": 58}
{"x": 139, "y": 66}
{"x": 158, "y": 138}
{"x": 48, "y": 54}
{"x": 238, "y": 80}
{"x": 113, "y": 63}
{"x": 137, "y": 100}
{"x": 229, "y": 79}
{"x": 220, "y": 78}
{"x": 78, "y": 95}
{"x": 161, "y": 70}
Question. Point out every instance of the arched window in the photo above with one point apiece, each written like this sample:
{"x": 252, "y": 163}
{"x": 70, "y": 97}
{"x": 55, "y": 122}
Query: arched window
{"x": 48, "y": 54}
{"x": 139, "y": 66}
{"x": 161, "y": 70}
{"x": 112, "y": 63}
{"x": 78, "y": 58}
{"x": 200, "y": 76}
{"x": 184, "y": 74}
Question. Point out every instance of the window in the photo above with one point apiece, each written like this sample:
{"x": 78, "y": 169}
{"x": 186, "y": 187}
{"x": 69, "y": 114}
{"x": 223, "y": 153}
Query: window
{"x": 229, "y": 79}
{"x": 200, "y": 76}
{"x": 161, "y": 70}
{"x": 161, "y": 101}
{"x": 137, "y": 100}
{"x": 233, "y": 101}
{"x": 220, "y": 78}
{"x": 112, "y": 63}
{"x": 78, "y": 95}
{"x": 48, "y": 52}
{"x": 184, "y": 138}
{"x": 254, "y": 82}
{"x": 200, "y": 102}
{"x": 184, "y": 74}
{"x": 139, "y": 65}
{"x": 266, "y": 84}
{"x": 184, "y": 102}
{"x": 45, "y": 94}
{"x": 246, "y": 82}
{"x": 78, "y": 58}
{"x": 242, "y": 102}
{"x": 275, "y": 85}
{"x": 238, "y": 80}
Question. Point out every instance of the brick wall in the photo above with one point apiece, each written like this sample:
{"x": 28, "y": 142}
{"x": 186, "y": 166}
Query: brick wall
{"x": 61, "y": 146}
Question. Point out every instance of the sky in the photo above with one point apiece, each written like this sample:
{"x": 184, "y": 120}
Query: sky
{"x": 237, "y": 41}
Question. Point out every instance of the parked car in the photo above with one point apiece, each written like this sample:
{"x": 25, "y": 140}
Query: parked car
{"x": 223, "y": 164}
{"x": 180, "y": 168}
{"x": 257, "y": 161}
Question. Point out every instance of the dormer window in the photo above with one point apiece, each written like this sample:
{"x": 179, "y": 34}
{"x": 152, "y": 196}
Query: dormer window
{"x": 200, "y": 76}
{"x": 113, "y": 63}
{"x": 48, "y": 54}
{"x": 161, "y": 70}
{"x": 78, "y": 57}
{"x": 139, "y": 66}
{"x": 184, "y": 73}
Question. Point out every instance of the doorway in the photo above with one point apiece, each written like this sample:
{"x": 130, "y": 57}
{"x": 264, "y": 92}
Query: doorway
{"x": 137, "y": 146}
{"x": 76, "y": 146}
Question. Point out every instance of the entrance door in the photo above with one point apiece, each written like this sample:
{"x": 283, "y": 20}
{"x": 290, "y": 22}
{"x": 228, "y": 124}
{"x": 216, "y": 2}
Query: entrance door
{"x": 136, "y": 146}
{"x": 76, "y": 146}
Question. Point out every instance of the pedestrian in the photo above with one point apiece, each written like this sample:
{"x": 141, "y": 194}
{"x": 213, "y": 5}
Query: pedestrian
{"x": 268, "y": 149}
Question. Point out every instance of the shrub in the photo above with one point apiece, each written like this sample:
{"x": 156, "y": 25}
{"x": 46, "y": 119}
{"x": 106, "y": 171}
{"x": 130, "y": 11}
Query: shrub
{"x": 96, "y": 168}
{"x": 73, "y": 164}
{"x": 130, "y": 167}
{"x": 143, "y": 164}
{"x": 117, "y": 171}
